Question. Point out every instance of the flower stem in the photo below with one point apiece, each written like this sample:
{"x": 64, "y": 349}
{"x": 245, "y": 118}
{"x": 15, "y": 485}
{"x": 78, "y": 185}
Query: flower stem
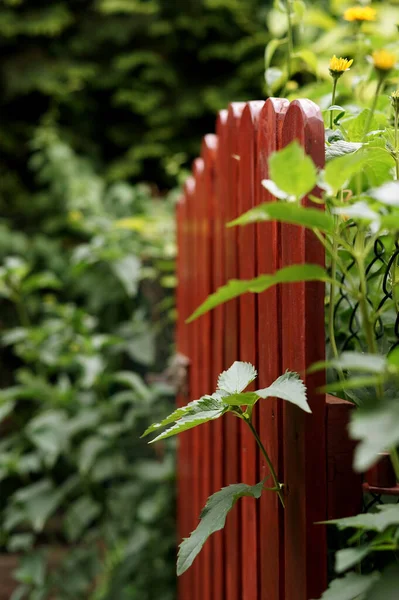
{"x": 333, "y": 101}
{"x": 373, "y": 106}
{"x": 396, "y": 145}
{"x": 289, "y": 39}
{"x": 276, "y": 482}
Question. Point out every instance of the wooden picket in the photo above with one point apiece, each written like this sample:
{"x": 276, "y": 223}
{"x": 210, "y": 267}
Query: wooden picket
{"x": 265, "y": 552}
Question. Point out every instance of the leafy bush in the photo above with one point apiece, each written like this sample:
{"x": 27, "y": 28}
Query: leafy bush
{"x": 87, "y": 315}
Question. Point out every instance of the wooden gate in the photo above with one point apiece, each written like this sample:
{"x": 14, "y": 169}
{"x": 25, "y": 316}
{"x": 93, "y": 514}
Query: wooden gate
{"x": 264, "y": 553}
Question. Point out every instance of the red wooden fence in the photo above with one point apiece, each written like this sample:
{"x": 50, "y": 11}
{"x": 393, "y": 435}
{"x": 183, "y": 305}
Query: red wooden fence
{"x": 264, "y": 553}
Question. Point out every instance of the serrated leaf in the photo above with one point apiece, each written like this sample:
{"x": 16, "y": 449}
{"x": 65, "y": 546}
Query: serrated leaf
{"x": 341, "y": 148}
{"x": 237, "y": 287}
{"x": 212, "y": 519}
{"x": 388, "y": 515}
{"x": 237, "y": 377}
{"x": 349, "y": 587}
{"x": 376, "y": 429}
{"x": 287, "y": 212}
{"x": 287, "y": 387}
{"x": 207, "y": 408}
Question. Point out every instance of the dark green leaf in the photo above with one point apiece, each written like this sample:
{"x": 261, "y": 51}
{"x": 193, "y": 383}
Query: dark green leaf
{"x": 287, "y": 212}
{"x": 213, "y": 518}
{"x": 236, "y": 287}
{"x": 350, "y": 587}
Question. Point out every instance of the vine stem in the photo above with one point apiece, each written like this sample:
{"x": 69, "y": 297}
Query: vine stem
{"x": 363, "y": 307}
{"x": 273, "y": 473}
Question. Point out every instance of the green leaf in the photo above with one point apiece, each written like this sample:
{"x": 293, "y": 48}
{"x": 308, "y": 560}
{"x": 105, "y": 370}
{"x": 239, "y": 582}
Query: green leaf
{"x": 48, "y": 432}
{"x": 354, "y": 361}
{"x": 387, "y": 194}
{"x": 79, "y": 516}
{"x": 349, "y": 587}
{"x": 40, "y": 281}
{"x": 287, "y": 212}
{"x": 275, "y": 78}
{"x": 341, "y": 148}
{"x": 128, "y": 270}
{"x": 271, "y": 49}
{"x": 349, "y": 557}
{"x": 212, "y": 519}
{"x": 387, "y": 515}
{"x": 6, "y": 408}
{"x": 287, "y": 387}
{"x": 237, "y": 287}
{"x": 386, "y": 588}
{"x": 206, "y": 409}
{"x": 292, "y": 170}
{"x": 89, "y": 451}
{"x": 32, "y": 569}
{"x": 339, "y": 171}
{"x": 237, "y": 378}
{"x": 245, "y": 399}
{"x": 308, "y": 57}
{"x": 355, "y": 126}
{"x": 378, "y": 431}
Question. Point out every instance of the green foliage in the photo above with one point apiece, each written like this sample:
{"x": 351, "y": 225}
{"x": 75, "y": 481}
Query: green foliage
{"x": 86, "y": 322}
{"x": 230, "y": 396}
{"x": 212, "y": 519}
{"x": 133, "y": 83}
{"x": 236, "y": 287}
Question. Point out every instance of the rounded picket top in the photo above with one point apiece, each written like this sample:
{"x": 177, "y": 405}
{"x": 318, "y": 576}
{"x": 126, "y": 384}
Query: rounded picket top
{"x": 269, "y": 139}
{"x": 209, "y": 147}
{"x": 304, "y": 122}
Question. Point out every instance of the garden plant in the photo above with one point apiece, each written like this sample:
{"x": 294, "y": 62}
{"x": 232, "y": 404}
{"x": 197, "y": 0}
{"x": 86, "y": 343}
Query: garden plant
{"x": 352, "y": 207}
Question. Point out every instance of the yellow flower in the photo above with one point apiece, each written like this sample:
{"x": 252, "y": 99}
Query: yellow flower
{"x": 339, "y": 65}
{"x": 360, "y": 13}
{"x": 383, "y": 60}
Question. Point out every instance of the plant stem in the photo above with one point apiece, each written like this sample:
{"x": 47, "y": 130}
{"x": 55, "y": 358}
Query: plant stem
{"x": 373, "y": 107}
{"x": 332, "y": 297}
{"x": 396, "y": 145}
{"x": 364, "y": 309}
{"x": 276, "y": 482}
{"x": 289, "y": 39}
{"x": 333, "y": 101}
{"x": 395, "y": 462}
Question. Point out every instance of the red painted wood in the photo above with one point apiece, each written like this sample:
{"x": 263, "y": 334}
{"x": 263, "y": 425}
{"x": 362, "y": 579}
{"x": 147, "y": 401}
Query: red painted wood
{"x": 269, "y": 358}
{"x": 185, "y": 442}
{"x": 247, "y": 142}
{"x": 303, "y": 343}
{"x": 218, "y": 475}
{"x": 345, "y": 494}
{"x": 197, "y": 358}
{"x": 206, "y": 383}
{"x": 232, "y": 429}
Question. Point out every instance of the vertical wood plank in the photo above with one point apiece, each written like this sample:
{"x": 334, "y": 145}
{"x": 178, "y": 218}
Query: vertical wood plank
{"x": 247, "y": 149}
{"x": 196, "y": 353}
{"x": 231, "y": 332}
{"x": 304, "y": 343}
{"x": 205, "y": 324}
{"x": 269, "y": 358}
{"x": 184, "y": 302}
{"x": 218, "y": 474}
